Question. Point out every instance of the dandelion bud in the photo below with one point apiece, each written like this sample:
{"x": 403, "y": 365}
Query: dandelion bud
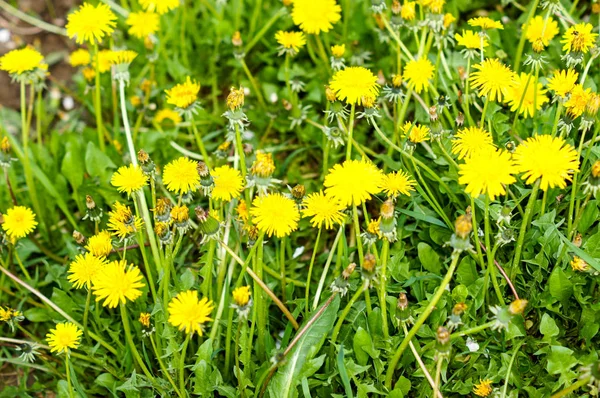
{"x": 89, "y": 202}
{"x": 433, "y": 114}
{"x": 372, "y": 233}
{"x": 252, "y": 233}
{"x": 442, "y": 335}
{"x": 287, "y": 3}
{"x": 459, "y": 309}
{"x": 397, "y": 80}
{"x": 247, "y": 148}
{"x": 162, "y": 230}
{"x": 402, "y": 309}
{"x": 235, "y": 99}
{"x": 369, "y": 263}
{"x": 78, "y": 237}
{"x": 202, "y": 169}
{"x": 330, "y": 94}
{"x": 463, "y": 226}
{"x": 201, "y": 214}
{"x": 462, "y": 73}
{"x": 162, "y": 211}
{"x": 368, "y": 102}
{"x": 578, "y": 264}
{"x": 5, "y": 145}
{"x": 460, "y": 119}
{"x": 263, "y": 166}
{"x": 396, "y": 7}
{"x": 142, "y": 157}
{"x": 593, "y": 105}
{"x": 578, "y": 239}
{"x": 596, "y": 8}
{"x": 88, "y": 73}
{"x": 298, "y": 192}
{"x": 387, "y": 209}
{"x": 208, "y": 224}
{"x": 408, "y": 12}
{"x": 402, "y": 302}
{"x": 236, "y": 39}
{"x": 379, "y": 21}
{"x": 348, "y": 271}
{"x": 287, "y": 105}
{"x": 517, "y": 307}
{"x": 181, "y": 217}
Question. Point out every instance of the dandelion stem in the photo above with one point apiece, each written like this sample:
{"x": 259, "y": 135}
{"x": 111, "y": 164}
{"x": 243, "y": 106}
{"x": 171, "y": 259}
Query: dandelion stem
{"x": 86, "y": 313}
{"x": 422, "y": 365}
{"x": 510, "y": 365}
{"x": 254, "y": 84}
{"x": 199, "y": 141}
{"x": 326, "y": 268}
{"x": 491, "y": 268}
{"x": 163, "y": 367}
{"x": 421, "y": 320}
{"x": 310, "y": 268}
{"x": 523, "y": 230}
{"x": 182, "y": 363}
{"x": 521, "y": 46}
{"x": 573, "y": 387}
{"x": 129, "y": 339}
{"x": 485, "y": 106}
{"x": 97, "y": 100}
{"x": 68, "y": 371}
{"x": 476, "y": 232}
{"x": 575, "y": 185}
{"x": 472, "y": 330}
{"x": 350, "y": 129}
{"x": 338, "y": 326}
{"x": 385, "y": 255}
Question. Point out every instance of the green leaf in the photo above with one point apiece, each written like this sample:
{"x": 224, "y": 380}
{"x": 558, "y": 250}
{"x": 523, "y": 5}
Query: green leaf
{"x": 188, "y": 279}
{"x": 429, "y": 258}
{"x": 37, "y": 315}
{"x": 548, "y": 326}
{"x": 423, "y": 217}
{"x": 287, "y": 377}
{"x": 560, "y": 359}
{"x": 96, "y": 162}
{"x": 343, "y": 372}
{"x": 363, "y": 346}
{"x": 72, "y": 165}
{"x": 560, "y": 286}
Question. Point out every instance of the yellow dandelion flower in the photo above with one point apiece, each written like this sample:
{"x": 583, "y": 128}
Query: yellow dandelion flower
{"x": 83, "y": 270}
{"x": 397, "y": 183}
{"x": 541, "y": 30}
{"x": 241, "y": 296}
{"x": 159, "y": 6}
{"x": 19, "y": 221}
{"x": 338, "y": 50}
{"x": 470, "y": 39}
{"x": 104, "y": 60}
{"x": 323, "y": 209}
{"x": 229, "y": 183}
{"x": 64, "y": 337}
{"x": 354, "y": 84}
{"x": 436, "y": 6}
{"x": 483, "y": 388}
{"x": 91, "y": 23}
{"x": 263, "y": 165}
{"x": 493, "y": 79}
{"x": 563, "y": 81}
{"x": 314, "y": 17}
{"x": 417, "y": 74}
{"x": 547, "y": 158}
{"x": 100, "y": 245}
{"x": 448, "y": 19}
{"x": 144, "y": 319}
{"x": 242, "y": 210}
{"x": 579, "y": 264}
{"x": 184, "y": 94}
{"x": 353, "y": 182}
{"x": 408, "y": 11}
{"x": 578, "y": 100}
{"x": 122, "y": 222}
{"x": 469, "y": 140}
{"x": 181, "y": 175}
{"x": 143, "y": 23}
{"x": 522, "y": 95}
{"x": 167, "y": 114}
{"x": 189, "y": 314}
{"x": 117, "y": 282}
{"x": 26, "y": 59}
{"x": 485, "y": 23}
{"x": 487, "y": 171}
{"x": 88, "y": 73}
{"x": 290, "y": 40}
{"x": 275, "y": 214}
{"x": 579, "y": 38}
{"x": 122, "y": 57}
{"x": 415, "y": 133}
{"x": 80, "y": 57}
{"x": 129, "y": 179}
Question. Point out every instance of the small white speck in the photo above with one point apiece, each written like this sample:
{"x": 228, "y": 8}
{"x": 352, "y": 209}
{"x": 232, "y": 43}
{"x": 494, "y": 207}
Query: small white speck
{"x": 298, "y": 252}
{"x": 246, "y": 91}
{"x": 273, "y": 98}
{"x": 68, "y": 103}
{"x": 4, "y": 35}
{"x": 472, "y": 345}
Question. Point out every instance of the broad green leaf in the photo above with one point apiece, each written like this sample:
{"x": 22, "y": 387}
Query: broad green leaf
{"x": 559, "y": 284}
{"x": 560, "y": 359}
{"x": 72, "y": 165}
{"x": 548, "y": 326}
{"x": 429, "y": 258}
{"x": 284, "y": 383}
